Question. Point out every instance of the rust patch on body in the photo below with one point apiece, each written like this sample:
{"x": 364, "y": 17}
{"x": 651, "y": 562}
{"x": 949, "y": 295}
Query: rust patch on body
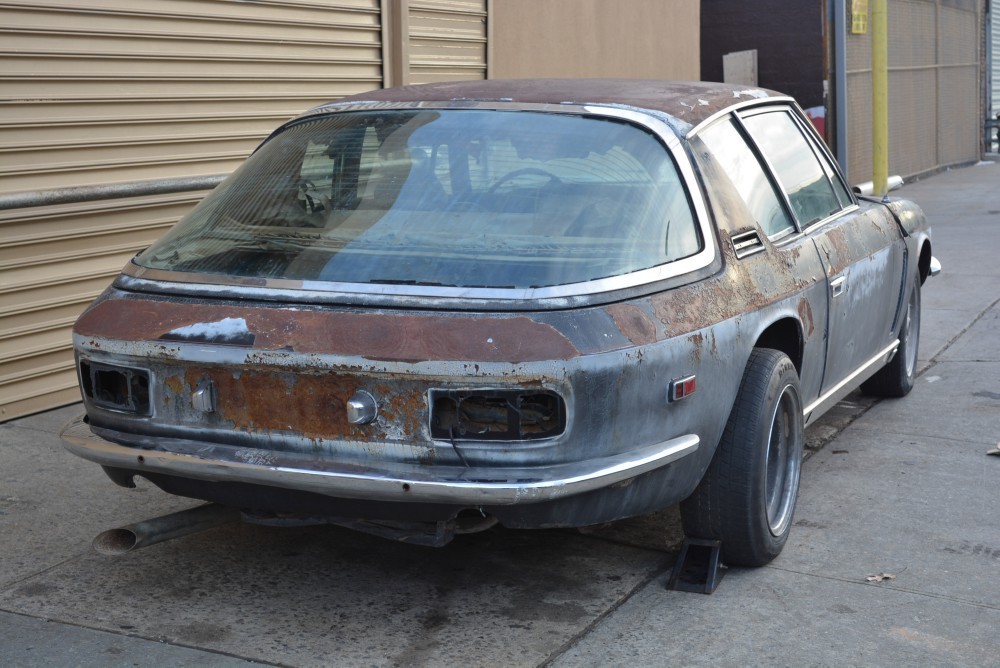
{"x": 806, "y": 316}
{"x": 746, "y": 286}
{"x": 256, "y": 401}
{"x": 376, "y": 336}
{"x": 840, "y": 243}
{"x": 697, "y": 340}
{"x": 407, "y": 408}
{"x": 701, "y": 305}
{"x": 310, "y": 405}
{"x": 174, "y": 384}
{"x": 633, "y": 322}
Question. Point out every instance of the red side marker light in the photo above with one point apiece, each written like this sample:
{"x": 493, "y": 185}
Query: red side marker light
{"x": 682, "y": 387}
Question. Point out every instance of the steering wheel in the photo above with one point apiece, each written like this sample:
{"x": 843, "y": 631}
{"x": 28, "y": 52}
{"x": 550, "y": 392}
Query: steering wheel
{"x": 510, "y": 176}
{"x": 310, "y": 203}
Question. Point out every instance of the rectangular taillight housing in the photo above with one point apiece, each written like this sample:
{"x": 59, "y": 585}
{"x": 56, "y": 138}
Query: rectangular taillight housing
{"x": 115, "y": 388}
{"x": 496, "y": 415}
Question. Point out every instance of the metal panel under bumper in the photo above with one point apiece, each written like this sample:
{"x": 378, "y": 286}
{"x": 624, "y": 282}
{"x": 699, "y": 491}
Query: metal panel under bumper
{"x": 389, "y": 482}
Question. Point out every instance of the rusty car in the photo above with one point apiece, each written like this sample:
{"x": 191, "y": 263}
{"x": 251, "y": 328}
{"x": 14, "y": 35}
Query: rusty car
{"x": 428, "y": 310}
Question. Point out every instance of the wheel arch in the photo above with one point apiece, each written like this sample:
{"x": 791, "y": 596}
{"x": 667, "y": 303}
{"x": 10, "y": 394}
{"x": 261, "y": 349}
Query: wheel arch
{"x": 924, "y": 261}
{"x": 786, "y": 336}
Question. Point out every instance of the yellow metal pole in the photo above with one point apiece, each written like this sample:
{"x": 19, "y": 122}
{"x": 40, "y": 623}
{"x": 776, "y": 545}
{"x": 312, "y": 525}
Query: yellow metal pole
{"x": 880, "y": 98}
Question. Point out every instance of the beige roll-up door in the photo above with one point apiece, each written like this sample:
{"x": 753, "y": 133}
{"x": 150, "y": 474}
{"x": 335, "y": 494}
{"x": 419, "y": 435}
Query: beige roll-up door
{"x": 448, "y": 40}
{"x": 96, "y": 92}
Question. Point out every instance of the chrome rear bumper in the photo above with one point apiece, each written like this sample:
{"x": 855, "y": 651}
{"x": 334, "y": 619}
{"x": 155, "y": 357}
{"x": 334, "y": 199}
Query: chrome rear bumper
{"x": 472, "y": 486}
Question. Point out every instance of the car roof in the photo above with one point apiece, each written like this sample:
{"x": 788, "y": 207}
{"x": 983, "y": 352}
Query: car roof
{"x": 689, "y": 101}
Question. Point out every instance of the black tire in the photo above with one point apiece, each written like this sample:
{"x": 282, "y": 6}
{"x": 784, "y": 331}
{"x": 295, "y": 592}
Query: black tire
{"x": 896, "y": 378}
{"x": 747, "y": 497}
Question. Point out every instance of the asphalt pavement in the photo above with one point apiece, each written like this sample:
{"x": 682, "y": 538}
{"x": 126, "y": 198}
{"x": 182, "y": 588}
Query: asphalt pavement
{"x": 893, "y": 560}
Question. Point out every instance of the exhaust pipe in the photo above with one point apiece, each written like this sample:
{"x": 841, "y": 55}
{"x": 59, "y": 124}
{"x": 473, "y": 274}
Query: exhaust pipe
{"x": 149, "y": 532}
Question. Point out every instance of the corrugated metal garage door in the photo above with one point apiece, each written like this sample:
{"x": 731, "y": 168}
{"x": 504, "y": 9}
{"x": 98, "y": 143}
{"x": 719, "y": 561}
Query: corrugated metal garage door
{"x": 448, "y": 40}
{"x": 934, "y": 70}
{"x": 106, "y": 91}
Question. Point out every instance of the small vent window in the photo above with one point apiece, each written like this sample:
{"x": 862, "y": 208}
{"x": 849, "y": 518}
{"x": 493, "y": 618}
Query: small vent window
{"x": 497, "y": 415}
{"x": 747, "y": 243}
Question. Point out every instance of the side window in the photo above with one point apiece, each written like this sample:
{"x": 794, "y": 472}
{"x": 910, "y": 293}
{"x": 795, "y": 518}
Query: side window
{"x": 745, "y": 171}
{"x": 838, "y": 185}
{"x": 795, "y": 164}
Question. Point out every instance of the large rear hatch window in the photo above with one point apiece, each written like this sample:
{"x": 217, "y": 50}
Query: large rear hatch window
{"x": 462, "y": 198}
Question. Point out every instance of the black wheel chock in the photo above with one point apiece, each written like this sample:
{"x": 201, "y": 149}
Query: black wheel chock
{"x": 699, "y": 567}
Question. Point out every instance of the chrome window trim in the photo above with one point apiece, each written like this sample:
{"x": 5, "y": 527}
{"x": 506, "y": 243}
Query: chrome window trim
{"x": 777, "y": 101}
{"x": 827, "y": 164}
{"x": 830, "y": 166}
{"x": 789, "y": 105}
{"x": 769, "y": 173}
{"x": 175, "y": 281}
{"x": 829, "y": 219}
{"x": 825, "y": 159}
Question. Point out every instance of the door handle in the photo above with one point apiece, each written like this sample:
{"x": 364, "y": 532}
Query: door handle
{"x": 837, "y": 286}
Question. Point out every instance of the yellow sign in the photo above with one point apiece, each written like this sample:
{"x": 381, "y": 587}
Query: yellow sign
{"x": 859, "y": 17}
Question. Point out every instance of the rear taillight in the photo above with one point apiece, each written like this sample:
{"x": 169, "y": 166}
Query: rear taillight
{"x": 496, "y": 415}
{"x": 115, "y": 388}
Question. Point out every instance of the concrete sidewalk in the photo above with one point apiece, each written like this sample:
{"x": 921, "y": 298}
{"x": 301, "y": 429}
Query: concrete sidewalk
{"x": 904, "y": 490}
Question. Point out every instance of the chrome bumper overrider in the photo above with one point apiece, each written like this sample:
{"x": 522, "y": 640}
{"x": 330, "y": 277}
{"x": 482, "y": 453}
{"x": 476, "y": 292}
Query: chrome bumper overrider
{"x": 935, "y": 266}
{"x": 384, "y": 482}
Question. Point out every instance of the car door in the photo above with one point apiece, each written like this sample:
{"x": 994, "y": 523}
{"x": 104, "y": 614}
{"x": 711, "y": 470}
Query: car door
{"x": 861, "y": 247}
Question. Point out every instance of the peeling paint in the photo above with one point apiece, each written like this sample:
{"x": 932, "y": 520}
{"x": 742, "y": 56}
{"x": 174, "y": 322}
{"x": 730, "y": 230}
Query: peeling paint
{"x": 756, "y": 93}
{"x": 696, "y": 341}
{"x": 383, "y": 335}
{"x": 227, "y": 330}
{"x": 806, "y": 316}
{"x": 634, "y": 323}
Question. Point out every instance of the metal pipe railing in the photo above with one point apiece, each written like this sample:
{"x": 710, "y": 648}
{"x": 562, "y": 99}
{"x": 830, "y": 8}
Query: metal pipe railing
{"x": 76, "y": 194}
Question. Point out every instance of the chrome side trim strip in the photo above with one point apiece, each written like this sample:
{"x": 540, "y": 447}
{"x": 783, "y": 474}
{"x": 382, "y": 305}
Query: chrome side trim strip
{"x": 458, "y": 485}
{"x": 826, "y": 401}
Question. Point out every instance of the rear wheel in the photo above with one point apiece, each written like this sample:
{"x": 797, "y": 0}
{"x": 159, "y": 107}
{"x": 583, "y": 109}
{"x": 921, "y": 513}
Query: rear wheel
{"x": 896, "y": 378}
{"x": 747, "y": 497}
